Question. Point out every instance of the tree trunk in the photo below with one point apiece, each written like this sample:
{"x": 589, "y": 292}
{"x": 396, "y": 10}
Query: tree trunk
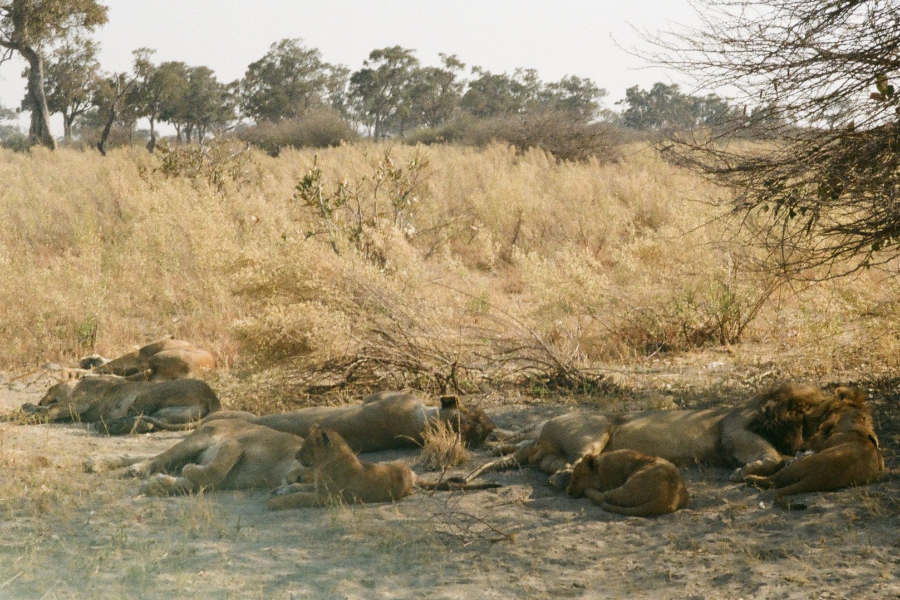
{"x": 101, "y": 145}
{"x": 151, "y": 145}
{"x": 40, "y": 115}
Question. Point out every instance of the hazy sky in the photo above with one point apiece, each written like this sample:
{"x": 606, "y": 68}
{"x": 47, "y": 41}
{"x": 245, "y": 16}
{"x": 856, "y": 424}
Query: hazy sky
{"x": 587, "y": 38}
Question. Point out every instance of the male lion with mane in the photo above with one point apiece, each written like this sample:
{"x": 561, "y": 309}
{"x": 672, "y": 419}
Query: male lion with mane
{"x": 844, "y": 452}
{"x": 756, "y": 437}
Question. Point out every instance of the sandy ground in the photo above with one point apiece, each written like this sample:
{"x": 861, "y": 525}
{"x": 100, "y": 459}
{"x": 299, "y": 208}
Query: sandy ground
{"x": 69, "y": 534}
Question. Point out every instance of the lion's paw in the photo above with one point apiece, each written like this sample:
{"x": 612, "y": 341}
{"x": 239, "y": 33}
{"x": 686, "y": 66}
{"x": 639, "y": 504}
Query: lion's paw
{"x": 561, "y": 479}
{"x": 160, "y": 485}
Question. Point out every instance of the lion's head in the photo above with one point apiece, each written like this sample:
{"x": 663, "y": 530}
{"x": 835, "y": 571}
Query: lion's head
{"x": 845, "y": 416}
{"x": 472, "y": 424}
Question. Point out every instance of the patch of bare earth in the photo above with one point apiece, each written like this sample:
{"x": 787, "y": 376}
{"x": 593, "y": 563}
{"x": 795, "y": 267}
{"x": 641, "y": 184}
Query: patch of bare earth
{"x": 65, "y": 533}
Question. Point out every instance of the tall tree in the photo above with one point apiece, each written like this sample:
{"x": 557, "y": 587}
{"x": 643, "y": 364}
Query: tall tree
{"x": 434, "y": 92}
{"x": 493, "y": 95}
{"x": 379, "y": 90}
{"x": 828, "y": 192}
{"x": 28, "y": 27}
{"x": 575, "y": 96}
{"x": 71, "y": 78}
{"x": 286, "y": 83}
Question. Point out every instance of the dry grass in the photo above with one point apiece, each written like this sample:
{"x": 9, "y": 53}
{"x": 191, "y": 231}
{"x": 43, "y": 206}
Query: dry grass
{"x": 442, "y": 447}
{"x": 481, "y": 267}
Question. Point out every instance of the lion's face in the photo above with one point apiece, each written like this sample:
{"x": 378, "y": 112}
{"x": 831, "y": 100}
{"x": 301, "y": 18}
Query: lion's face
{"x": 585, "y": 475}
{"x": 472, "y": 424}
{"x": 313, "y": 447}
{"x": 61, "y": 392}
{"x": 841, "y": 426}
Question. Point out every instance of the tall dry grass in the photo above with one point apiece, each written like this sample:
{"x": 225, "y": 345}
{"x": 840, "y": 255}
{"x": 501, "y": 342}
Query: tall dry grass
{"x": 498, "y": 266}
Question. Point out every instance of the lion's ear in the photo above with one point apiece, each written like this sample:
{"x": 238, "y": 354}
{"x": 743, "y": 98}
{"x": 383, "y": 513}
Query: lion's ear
{"x": 448, "y": 402}
{"x": 325, "y": 439}
{"x": 591, "y": 461}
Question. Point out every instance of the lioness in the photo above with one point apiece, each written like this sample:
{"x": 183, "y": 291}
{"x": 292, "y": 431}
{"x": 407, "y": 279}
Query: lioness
{"x": 629, "y": 483}
{"x": 120, "y": 406}
{"x": 845, "y": 452}
{"x": 383, "y": 421}
{"x": 163, "y": 359}
{"x": 228, "y": 454}
{"x": 755, "y": 436}
{"x": 333, "y": 473}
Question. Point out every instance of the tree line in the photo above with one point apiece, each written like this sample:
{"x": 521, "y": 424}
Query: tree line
{"x": 392, "y": 95}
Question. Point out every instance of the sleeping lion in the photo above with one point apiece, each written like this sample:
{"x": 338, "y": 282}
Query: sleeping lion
{"x": 756, "y": 437}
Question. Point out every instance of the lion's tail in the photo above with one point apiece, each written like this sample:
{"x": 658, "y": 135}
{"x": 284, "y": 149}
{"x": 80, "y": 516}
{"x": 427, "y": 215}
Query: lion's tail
{"x": 452, "y": 484}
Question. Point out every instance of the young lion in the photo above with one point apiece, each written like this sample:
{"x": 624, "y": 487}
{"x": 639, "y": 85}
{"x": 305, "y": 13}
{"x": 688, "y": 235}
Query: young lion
{"x": 845, "y": 453}
{"x": 629, "y": 483}
{"x": 332, "y": 472}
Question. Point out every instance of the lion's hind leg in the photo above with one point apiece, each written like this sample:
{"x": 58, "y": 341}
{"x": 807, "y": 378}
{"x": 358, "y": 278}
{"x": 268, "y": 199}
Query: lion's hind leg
{"x": 170, "y": 461}
{"x": 214, "y": 465}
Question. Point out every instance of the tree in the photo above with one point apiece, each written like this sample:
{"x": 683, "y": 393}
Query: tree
{"x": 209, "y": 104}
{"x": 827, "y": 191}
{"x": 434, "y": 92}
{"x": 28, "y": 27}
{"x": 286, "y": 83}
{"x": 71, "y": 78}
{"x": 378, "y": 90}
{"x": 195, "y": 101}
{"x": 575, "y": 96}
{"x": 491, "y": 95}
{"x": 665, "y": 107}
{"x": 156, "y": 86}
{"x": 109, "y": 99}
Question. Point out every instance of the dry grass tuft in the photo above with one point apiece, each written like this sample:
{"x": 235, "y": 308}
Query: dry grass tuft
{"x": 442, "y": 447}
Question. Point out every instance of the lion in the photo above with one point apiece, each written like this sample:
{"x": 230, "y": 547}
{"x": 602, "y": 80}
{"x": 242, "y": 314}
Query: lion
{"x": 755, "y": 437}
{"x": 844, "y": 452}
{"x": 384, "y": 421}
{"x": 161, "y": 360}
{"x": 120, "y": 406}
{"x": 333, "y": 473}
{"x": 629, "y": 483}
{"x": 228, "y": 454}
{"x": 232, "y": 454}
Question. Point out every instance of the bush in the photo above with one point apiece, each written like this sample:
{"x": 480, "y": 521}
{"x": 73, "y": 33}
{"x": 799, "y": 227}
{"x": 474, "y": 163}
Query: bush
{"x": 558, "y": 133}
{"x": 320, "y": 129}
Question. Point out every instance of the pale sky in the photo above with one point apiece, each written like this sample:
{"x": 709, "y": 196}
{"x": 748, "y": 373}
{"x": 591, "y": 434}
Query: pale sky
{"x": 587, "y": 38}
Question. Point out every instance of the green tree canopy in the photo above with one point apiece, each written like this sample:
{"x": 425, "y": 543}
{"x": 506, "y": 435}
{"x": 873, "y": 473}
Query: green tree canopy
{"x": 70, "y": 80}
{"x": 379, "y": 90}
{"x": 288, "y": 82}
{"x": 28, "y": 27}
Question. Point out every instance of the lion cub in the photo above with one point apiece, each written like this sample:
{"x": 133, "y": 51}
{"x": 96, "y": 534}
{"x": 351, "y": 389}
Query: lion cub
{"x": 331, "y": 472}
{"x": 629, "y": 483}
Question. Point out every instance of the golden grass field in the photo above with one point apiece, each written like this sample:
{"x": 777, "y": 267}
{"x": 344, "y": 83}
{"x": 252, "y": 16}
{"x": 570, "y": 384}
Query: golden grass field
{"x": 531, "y": 286}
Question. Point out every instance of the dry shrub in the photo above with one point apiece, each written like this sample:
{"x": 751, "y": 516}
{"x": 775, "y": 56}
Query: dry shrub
{"x": 217, "y": 162}
{"x": 506, "y": 267}
{"x": 319, "y": 129}
{"x": 561, "y": 135}
{"x": 442, "y": 447}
